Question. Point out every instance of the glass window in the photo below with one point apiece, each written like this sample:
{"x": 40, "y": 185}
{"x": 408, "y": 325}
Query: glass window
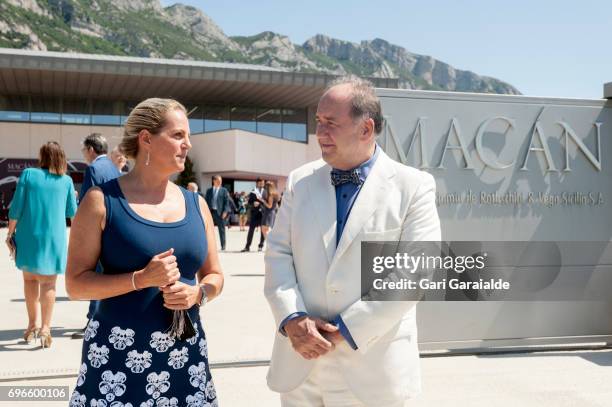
{"x": 45, "y": 110}
{"x": 75, "y": 111}
{"x": 294, "y": 125}
{"x": 243, "y": 118}
{"x": 216, "y": 118}
{"x": 269, "y": 122}
{"x": 196, "y": 119}
{"x": 14, "y": 108}
{"x": 106, "y": 113}
{"x": 126, "y": 108}
{"x": 246, "y": 186}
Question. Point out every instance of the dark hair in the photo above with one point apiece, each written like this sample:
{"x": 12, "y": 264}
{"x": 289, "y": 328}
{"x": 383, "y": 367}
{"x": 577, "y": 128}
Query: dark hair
{"x": 364, "y": 102}
{"x": 259, "y": 179}
{"x": 52, "y": 157}
{"x": 97, "y": 142}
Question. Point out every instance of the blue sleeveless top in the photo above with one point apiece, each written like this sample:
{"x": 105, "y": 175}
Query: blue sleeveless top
{"x": 129, "y": 241}
{"x": 127, "y": 355}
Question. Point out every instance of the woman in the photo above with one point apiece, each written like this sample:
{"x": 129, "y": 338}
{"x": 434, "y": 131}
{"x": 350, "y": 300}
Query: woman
{"x": 156, "y": 245}
{"x": 242, "y": 210}
{"x": 44, "y": 198}
{"x": 270, "y": 204}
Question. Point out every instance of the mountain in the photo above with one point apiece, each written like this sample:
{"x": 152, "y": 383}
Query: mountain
{"x": 144, "y": 28}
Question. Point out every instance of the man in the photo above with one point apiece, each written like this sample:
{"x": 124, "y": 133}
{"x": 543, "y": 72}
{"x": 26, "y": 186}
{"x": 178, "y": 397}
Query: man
{"x": 331, "y": 348}
{"x": 217, "y": 199}
{"x": 100, "y": 170}
{"x": 118, "y": 158}
{"x": 256, "y": 213}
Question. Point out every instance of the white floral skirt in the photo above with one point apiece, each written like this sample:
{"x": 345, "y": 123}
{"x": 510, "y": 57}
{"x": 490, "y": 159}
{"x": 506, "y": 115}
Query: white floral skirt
{"x": 124, "y": 367}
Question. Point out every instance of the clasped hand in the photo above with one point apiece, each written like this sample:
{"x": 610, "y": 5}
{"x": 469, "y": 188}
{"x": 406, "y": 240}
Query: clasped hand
{"x": 180, "y": 295}
{"x": 163, "y": 272}
{"x": 312, "y": 337}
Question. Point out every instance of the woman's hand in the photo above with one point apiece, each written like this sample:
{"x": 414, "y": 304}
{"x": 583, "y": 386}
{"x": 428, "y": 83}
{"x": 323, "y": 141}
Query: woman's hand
{"x": 161, "y": 271}
{"x": 180, "y": 296}
{"x": 10, "y": 245}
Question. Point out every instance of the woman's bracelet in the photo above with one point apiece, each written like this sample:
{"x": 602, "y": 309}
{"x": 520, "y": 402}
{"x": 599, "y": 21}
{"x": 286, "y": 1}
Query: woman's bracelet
{"x": 134, "y": 282}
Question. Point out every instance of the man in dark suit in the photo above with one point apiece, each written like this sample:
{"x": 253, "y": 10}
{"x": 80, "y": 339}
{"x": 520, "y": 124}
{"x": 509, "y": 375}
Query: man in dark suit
{"x": 256, "y": 214}
{"x": 100, "y": 170}
{"x": 218, "y": 199}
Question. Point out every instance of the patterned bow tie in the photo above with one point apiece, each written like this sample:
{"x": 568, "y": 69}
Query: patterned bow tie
{"x": 339, "y": 177}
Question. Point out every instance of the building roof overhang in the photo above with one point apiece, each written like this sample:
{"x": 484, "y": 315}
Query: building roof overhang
{"x": 73, "y": 75}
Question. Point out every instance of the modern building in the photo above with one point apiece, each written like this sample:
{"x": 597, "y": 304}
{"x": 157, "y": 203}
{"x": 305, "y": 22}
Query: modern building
{"x": 246, "y": 120}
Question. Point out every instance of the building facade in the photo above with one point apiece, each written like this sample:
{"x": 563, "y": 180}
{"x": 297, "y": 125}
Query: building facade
{"x": 246, "y": 121}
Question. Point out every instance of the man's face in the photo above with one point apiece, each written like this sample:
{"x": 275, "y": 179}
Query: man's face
{"x": 89, "y": 154}
{"x": 217, "y": 182}
{"x": 260, "y": 184}
{"x": 337, "y": 132}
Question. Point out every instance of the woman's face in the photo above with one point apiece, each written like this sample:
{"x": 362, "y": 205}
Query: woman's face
{"x": 169, "y": 148}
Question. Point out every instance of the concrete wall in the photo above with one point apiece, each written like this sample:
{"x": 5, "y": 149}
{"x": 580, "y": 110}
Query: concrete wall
{"x": 497, "y": 134}
{"x": 230, "y": 150}
{"x": 237, "y": 151}
{"x": 23, "y": 140}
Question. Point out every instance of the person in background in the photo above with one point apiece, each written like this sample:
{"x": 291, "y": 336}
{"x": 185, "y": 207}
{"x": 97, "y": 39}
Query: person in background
{"x": 37, "y": 237}
{"x": 100, "y": 170}
{"x": 217, "y": 198}
{"x": 242, "y": 210}
{"x": 119, "y": 159}
{"x": 255, "y": 214}
{"x": 269, "y": 207}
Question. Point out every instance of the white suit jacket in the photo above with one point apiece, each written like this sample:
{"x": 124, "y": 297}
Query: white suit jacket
{"x": 305, "y": 271}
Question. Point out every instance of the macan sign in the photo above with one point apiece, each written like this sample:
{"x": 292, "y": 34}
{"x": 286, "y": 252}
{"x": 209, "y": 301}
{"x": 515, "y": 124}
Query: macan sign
{"x": 537, "y": 143}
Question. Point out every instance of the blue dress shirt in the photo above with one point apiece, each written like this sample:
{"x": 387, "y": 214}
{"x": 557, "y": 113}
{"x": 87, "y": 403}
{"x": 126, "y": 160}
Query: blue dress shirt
{"x": 346, "y": 195}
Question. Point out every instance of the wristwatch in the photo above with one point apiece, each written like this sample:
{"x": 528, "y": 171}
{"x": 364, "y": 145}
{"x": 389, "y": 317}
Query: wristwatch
{"x": 204, "y": 297}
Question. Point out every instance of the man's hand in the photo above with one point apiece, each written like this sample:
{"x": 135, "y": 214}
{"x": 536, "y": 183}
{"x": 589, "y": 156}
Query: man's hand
{"x": 305, "y": 335}
{"x": 334, "y": 337}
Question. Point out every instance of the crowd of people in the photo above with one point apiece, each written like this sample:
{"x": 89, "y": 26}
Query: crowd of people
{"x": 257, "y": 208}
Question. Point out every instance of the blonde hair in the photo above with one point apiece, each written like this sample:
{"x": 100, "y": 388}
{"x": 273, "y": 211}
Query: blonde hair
{"x": 150, "y": 115}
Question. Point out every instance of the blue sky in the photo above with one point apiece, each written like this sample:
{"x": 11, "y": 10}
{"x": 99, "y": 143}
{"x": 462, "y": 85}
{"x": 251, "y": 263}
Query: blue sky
{"x": 544, "y": 48}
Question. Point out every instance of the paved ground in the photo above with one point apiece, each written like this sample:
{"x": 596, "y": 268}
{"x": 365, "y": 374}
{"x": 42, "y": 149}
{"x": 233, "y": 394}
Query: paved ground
{"x": 240, "y": 331}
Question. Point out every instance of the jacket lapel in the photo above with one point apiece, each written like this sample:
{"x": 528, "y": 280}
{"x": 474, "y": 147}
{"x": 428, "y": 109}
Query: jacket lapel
{"x": 373, "y": 194}
{"x": 323, "y": 198}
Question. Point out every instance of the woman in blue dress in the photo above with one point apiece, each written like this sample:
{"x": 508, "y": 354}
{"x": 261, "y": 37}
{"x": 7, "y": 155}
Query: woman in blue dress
{"x": 44, "y": 198}
{"x": 156, "y": 245}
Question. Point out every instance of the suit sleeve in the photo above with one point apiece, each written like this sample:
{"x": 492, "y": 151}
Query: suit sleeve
{"x": 367, "y": 321}
{"x": 88, "y": 182}
{"x": 280, "y": 286}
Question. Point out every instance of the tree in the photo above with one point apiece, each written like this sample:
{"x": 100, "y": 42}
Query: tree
{"x": 187, "y": 175}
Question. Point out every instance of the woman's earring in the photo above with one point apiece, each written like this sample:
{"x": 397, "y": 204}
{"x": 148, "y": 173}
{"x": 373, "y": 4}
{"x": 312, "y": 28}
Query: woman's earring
{"x": 147, "y": 163}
